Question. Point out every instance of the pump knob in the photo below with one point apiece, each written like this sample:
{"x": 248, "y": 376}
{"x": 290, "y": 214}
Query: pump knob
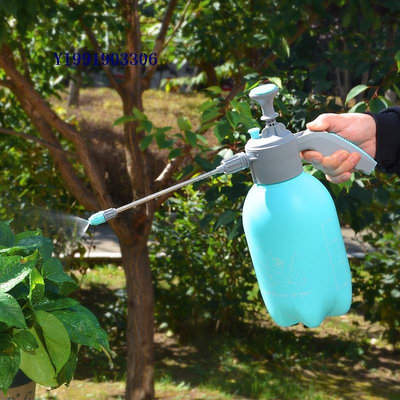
{"x": 264, "y": 96}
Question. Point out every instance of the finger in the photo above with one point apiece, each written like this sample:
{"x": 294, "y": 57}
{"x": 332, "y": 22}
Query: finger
{"x": 339, "y": 179}
{"x": 340, "y": 162}
{"x": 325, "y": 122}
{"x": 331, "y": 164}
{"x": 312, "y": 156}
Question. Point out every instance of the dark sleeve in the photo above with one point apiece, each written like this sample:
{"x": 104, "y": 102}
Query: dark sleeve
{"x": 388, "y": 140}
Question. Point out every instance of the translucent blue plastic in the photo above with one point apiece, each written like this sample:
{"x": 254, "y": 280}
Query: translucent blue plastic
{"x": 297, "y": 250}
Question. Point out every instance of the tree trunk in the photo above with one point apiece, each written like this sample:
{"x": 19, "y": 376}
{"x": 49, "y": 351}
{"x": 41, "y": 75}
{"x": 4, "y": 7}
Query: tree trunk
{"x": 140, "y": 324}
{"x": 75, "y": 83}
{"x": 211, "y": 74}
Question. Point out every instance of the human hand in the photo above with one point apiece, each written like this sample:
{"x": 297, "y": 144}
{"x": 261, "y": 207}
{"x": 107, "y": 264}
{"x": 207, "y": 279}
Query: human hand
{"x": 358, "y": 128}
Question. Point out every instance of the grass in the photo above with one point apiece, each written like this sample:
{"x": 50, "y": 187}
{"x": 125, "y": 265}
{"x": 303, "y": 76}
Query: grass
{"x": 100, "y": 107}
{"x": 339, "y": 360}
{"x": 162, "y": 108}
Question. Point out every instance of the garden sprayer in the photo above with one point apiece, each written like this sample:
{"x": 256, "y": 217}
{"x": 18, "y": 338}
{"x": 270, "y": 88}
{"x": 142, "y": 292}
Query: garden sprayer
{"x": 289, "y": 219}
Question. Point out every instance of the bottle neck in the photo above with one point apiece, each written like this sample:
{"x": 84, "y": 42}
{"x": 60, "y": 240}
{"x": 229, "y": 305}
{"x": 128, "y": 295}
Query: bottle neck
{"x": 277, "y": 159}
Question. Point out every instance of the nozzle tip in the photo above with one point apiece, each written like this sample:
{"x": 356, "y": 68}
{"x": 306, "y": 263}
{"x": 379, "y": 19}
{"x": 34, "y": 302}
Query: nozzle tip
{"x": 97, "y": 219}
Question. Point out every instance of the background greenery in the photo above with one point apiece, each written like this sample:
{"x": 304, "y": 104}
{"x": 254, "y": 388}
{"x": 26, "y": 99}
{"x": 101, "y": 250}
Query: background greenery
{"x": 205, "y": 286}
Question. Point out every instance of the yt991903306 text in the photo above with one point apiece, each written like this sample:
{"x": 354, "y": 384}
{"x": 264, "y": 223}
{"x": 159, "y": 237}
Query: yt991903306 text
{"x": 74, "y": 59}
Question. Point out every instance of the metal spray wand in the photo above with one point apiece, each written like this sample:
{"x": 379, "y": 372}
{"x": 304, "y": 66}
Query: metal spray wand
{"x": 229, "y": 165}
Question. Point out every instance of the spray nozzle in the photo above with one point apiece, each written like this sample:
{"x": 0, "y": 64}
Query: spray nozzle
{"x": 102, "y": 216}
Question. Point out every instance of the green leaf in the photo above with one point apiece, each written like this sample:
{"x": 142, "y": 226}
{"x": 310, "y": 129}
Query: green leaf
{"x": 160, "y": 137}
{"x": 6, "y": 235}
{"x": 191, "y": 138}
{"x": 53, "y": 271}
{"x": 36, "y": 285}
{"x": 10, "y": 311}
{"x": 36, "y": 364}
{"x": 233, "y": 118}
{"x": 43, "y": 244}
{"x": 138, "y": 114}
{"x": 184, "y": 124}
{"x": 146, "y": 142}
{"x": 206, "y": 105}
{"x": 225, "y": 218}
{"x": 397, "y": 58}
{"x": 209, "y": 114}
{"x": 285, "y": 47}
{"x": 51, "y": 302}
{"x": 281, "y": 105}
{"x": 9, "y": 361}
{"x": 215, "y": 89}
{"x": 276, "y": 81}
{"x": 20, "y": 291}
{"x": 13, "y": 270}
{"x": 67, "y": 372}
{"x": 25, "y": 340}
{"x": 83, "y": 327}
{"x": 358, "y": 108}
{"x": 355, "y": 92}
{"x": 376, "y": 105}
{"x": 222, "y": 129}
{"x": 146, "y": 125}
{"x": 26, "y": 234}
{"x": 202, "y": 138}
{"x": 124, "y": 119}
{"x": 56, "y": 337}
{"x": 204, "y": 163}
{"x": 245, "y": 115}
{"x": 174, "y": 153}
{"x": 235, "y": 231}
{"x": 346, "y": 19}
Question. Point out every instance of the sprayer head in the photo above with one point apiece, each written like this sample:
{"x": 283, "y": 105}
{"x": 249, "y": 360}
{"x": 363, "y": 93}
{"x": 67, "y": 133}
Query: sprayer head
{"x": 102, "y": 216}
{"x": 264, "y": 96}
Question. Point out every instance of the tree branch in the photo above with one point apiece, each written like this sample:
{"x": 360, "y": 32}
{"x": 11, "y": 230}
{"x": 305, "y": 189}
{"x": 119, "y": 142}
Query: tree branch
{"x": 96, "y": 47}
{"x": 161, "y": 199}
{"x": 6, "y": 83}
{"x": 25, "y": 62}
{"x": 178, "y": 25}
{"x": 165, "y": 176}
{"x": 38, "y": 110}
{"x": 133, "y": 84}
{"x": 158, "y": 45}
{"x": 74, "y": 184}
{"x": 36, "y": 140}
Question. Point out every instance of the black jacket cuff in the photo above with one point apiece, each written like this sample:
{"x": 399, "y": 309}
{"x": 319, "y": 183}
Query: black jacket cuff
{"x": 388, "y": 139}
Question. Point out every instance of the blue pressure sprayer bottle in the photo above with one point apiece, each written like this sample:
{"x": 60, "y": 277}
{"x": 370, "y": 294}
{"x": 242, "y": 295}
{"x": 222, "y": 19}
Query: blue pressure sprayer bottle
{"x": 289, "y": 219}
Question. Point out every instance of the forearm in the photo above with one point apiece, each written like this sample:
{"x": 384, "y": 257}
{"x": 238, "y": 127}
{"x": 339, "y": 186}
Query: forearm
{"x": 388, "y": 140}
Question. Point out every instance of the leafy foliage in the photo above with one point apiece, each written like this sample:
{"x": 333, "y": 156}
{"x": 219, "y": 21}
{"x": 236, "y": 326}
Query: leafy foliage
{"x": 203, "y": 278}
{"x": 40, "y": 327}
{"x": 376, "y": 216}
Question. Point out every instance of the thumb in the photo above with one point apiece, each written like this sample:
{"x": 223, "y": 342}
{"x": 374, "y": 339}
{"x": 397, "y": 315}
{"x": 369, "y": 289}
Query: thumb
{"x": 324, "y": 122}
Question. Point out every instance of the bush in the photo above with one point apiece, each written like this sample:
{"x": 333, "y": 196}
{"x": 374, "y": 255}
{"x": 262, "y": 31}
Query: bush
{"x": 201, "y": 264}
{"x": 41, "y": 327}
